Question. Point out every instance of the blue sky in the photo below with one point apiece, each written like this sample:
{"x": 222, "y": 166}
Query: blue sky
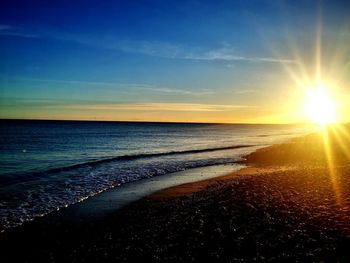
{"x": 161, "y": 60}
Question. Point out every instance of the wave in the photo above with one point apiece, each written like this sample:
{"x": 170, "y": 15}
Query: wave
{"x": 52, "y": 195}
{"x": 6, "y": 180}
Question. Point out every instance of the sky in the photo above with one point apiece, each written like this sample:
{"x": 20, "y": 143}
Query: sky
{"x": 179, "y": 61}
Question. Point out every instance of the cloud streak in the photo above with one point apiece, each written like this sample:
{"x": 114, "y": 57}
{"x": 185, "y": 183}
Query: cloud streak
{"x": 5, "y": 27}
{"x": 108, "y": 106}
{"x": 117, "y": 86}
{"x": 225, "y": 53}
{"x": 178, "y": 107}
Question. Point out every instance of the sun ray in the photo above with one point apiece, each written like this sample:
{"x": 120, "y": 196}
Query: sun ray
{"x": 287, "y": 66}
{"x": 296, "y": 55}
{"x": 328, "y": 150}
{"x": 338, "y": 61}
{"x": 318, "y": 49}
{"x": 340, "y": 139}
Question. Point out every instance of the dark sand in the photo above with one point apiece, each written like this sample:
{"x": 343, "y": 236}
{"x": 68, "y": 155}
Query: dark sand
{"x": 292, "y": 206}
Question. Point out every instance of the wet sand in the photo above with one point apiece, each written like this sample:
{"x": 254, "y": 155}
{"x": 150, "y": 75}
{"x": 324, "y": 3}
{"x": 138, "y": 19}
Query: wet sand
{"x": 107, "y": 202}
{"x": 292, "y": 205}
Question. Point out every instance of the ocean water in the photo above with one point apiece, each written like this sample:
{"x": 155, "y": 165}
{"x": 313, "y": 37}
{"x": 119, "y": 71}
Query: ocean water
{"x": 47, "y": 165}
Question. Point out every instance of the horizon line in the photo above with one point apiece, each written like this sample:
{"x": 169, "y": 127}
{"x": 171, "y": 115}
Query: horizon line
{"x": 170, "y": 122}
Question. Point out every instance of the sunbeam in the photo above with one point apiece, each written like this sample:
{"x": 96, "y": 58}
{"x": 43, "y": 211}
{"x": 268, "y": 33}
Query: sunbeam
{"x": 331, "y": 163}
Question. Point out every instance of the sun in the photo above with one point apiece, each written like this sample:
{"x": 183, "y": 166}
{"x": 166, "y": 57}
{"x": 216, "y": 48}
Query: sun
{"x": 320, "y": 107}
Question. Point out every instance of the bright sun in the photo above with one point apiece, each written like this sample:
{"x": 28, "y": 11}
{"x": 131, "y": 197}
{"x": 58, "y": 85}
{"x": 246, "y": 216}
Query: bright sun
{"x": 320, "y": 107}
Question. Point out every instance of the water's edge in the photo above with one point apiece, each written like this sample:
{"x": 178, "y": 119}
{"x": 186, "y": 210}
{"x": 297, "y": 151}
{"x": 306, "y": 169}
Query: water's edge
{"x": 113, "y": 199}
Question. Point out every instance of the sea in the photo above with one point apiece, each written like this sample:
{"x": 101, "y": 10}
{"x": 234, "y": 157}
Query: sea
{"x": 49, "y": 165}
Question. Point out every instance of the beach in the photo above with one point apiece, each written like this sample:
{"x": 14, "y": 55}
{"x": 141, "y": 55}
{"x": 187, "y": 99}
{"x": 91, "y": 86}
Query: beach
{"x": 175, "y": 131}
{"x": 291, "y": 204}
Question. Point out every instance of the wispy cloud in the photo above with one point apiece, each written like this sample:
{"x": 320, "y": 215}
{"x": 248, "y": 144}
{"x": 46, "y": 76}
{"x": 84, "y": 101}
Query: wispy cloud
{"x": 76, "y": 105}
{"x": 231, "y": 65}
{"x": 115, "y": 86}
{"x": 246, "y": 91}
{"x": 225, "y": 52}
{"x": 178, "y": 91}
{"x": 83, "y": 82}
{"x": 189, "y": 107}
{"x": 5, "y": 27}
{"x": 9, "y": 30}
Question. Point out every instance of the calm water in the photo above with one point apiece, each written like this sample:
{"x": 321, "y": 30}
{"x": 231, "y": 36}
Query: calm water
{"x": 46, "y": 165}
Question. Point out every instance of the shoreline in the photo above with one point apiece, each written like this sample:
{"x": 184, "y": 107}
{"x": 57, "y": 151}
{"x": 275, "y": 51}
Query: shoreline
{"x": 111, "y": 200}
{"x": 193, "y": 187}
